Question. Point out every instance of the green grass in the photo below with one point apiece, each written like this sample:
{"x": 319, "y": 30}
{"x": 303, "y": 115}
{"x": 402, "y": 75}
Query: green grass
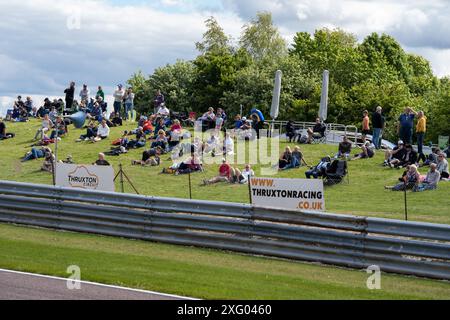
{"x": 199, "y": 273}
{"x": 365, "y": 195}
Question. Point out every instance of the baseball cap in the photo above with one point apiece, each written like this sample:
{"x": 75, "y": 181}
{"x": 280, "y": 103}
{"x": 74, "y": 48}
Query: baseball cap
{"x": 400, "y": 142}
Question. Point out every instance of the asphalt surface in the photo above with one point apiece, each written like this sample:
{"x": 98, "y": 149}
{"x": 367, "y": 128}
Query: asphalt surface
{"x": 22, "y": 286}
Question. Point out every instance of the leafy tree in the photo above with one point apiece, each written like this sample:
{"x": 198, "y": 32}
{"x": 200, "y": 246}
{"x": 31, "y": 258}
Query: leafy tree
{"x": 262, "y": 39}
{"x": 214, "y": 39}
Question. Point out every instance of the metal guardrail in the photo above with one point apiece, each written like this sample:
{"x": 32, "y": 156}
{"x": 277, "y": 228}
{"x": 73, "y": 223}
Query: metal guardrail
{"x": 420, "y": 249}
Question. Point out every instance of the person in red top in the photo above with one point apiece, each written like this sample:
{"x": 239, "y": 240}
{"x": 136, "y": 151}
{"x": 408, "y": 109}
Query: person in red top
{"x": 148, "y": 127}
{"x": 365, "y": 126}
{"x": 176, "y": 126}
{"x": 226, "y": 172}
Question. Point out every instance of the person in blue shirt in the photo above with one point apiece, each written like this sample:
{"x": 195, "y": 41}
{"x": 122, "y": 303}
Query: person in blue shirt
{"x": 406, "y": 124}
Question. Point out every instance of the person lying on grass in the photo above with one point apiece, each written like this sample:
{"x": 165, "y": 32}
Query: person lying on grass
{"x": 367, "y": 151}
{"x": 409, "y": 181}
{"x": 149, "y": 158}
{"x": 36, "y": 153}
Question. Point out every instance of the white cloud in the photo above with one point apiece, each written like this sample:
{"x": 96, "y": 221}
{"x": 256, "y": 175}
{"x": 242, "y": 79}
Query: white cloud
{"x": 40, "y": 55}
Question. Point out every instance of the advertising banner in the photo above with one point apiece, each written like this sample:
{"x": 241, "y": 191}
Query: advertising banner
{"x": 290, "y": 194}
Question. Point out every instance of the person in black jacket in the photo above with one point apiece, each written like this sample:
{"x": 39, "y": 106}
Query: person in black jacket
{"x": 70, "y": 94}
{"x": 379, "y": 124}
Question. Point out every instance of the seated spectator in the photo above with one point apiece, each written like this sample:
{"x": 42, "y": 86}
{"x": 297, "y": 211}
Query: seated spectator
{"x": 286, "y": 159}
{"x": 161, "y": 141}
{"x": 116, "y": 120}
{"x": 297, "y": 159}
{"x": 447, "y": 152}
{"x": 140, "y": 140}
{"x": 245, "y": 131}
{"x": 320, "y": 169}
{"x": 208, "y": 120}
{"x": 49, "y": 161}
{"x": 211, "y": 145}
{"x": 60, "y": 128}
{"x": 147, "y": 126}
{"x": 345, "y": 149}
{"x": 190, "y": 165}
{"x": 238, "y": 122}
{"x": 442, "y": 166}
{"x": 433, "y": 157}
{"x": 318, "y": 131}
{"x": 219, "y": 120}
{"x": 96, "y": 113}
{"x": 410, "y": 157}
{"x": 36, "y": 153}
{"x": 102, "y": 132}
{"x": 228, "y": 145}
{"x": 149, "y": 158}
{"x": 247, "y": 174}
{"x": 46, "y": 125}
{"x": 226, "y": 173}
{"x": 101, "y": 160}
{"x": 160, "y": 126}
{"x": 163, "y": 111}
{"x": 3, "y": 134}
{"x": 90, "y": 134}
{"x": 431, "y": 181}
{"x": 367, "y": 151}
{"x": 410, "y": 181}
{"x": 394, "y": 156}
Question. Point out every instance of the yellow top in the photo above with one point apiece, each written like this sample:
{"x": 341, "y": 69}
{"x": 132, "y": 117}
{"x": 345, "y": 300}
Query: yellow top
{"x": 422, "y": 125}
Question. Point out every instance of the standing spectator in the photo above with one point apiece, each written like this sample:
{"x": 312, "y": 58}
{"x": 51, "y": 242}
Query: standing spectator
{"x": 100, "y": 93}
{"x": 421, "y": 129}
{"x": 365, "y": 126}
{"x": 129, "y": 104}
{"x": 84, "y": 94}
{"x": 118, "y": 98}
{"x": 158, "y": 101}
{"x": 405, "y": 125}
{"x": 70, "y": 95}
{"x": 379, "y": 124}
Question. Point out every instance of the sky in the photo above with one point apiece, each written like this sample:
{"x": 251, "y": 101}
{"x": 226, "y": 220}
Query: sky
{"x": 45, "y": 43}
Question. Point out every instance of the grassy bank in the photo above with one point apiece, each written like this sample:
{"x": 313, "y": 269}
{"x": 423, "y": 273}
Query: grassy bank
{"x": 364, "y": 195}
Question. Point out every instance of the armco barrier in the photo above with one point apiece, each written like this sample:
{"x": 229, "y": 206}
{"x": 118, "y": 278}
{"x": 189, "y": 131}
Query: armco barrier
{"x": 411, "y": 248}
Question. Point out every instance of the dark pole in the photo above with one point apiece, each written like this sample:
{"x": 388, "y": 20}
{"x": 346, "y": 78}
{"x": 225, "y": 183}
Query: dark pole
{"x": 250, "y": 188}
{"x": 406, "y": 204}
{"x": 121, "y": 179}
{"x": 190, "y": 186}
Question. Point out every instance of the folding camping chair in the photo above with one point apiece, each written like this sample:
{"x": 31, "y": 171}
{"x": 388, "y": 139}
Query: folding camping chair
{"x": 336, "y": 173}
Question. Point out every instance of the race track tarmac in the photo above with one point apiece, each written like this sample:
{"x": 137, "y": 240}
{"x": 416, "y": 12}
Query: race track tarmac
{"x": 23, "y": 286}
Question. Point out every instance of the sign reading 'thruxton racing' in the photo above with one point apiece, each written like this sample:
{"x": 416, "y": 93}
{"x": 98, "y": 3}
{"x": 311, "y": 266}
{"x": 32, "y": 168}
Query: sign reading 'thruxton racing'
{"x": 99, "y": 178}
{"x": 291, "y": 194}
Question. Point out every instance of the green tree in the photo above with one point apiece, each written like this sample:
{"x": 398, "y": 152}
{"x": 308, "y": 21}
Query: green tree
{"x": 214, "y": 39}
{"x": 262, "y": 39}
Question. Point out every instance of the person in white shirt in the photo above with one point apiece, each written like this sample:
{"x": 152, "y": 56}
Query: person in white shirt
{"x": 247, "y": 173}
{"x": 228, "y": 145}
{"x": 119, "y": 94}
{"x": 102, "y": 131}
{"x": 84, "y": 94}
{"x": 46, "y": 125}
{"x": 163, "y": 111}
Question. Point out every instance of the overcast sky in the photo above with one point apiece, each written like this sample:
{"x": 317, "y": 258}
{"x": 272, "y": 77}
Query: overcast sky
{"x": 47, "y": 43}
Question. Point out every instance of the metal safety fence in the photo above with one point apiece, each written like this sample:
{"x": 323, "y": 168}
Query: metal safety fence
{"x": 411, "y": 248}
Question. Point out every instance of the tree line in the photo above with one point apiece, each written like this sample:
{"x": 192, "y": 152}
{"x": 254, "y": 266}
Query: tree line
{"x": 228, "y": 74}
